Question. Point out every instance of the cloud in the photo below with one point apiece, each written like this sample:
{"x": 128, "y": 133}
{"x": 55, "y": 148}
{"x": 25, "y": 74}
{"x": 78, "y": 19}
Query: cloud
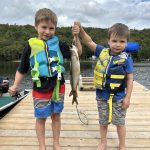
{"x": 94, "y": 13}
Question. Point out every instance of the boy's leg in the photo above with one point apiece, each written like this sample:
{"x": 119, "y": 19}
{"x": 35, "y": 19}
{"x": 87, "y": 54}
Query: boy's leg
{"x": 103, "y": 142}
{"x": 119, "y": 115}
{"x": 57, "y": 108}
{"x": 103, "y": 121}
{"x": 121, "y": 134}
{"x": 42, "y": 110}
{"x": 40, "y": 131}
{"x": 56, "y": 126}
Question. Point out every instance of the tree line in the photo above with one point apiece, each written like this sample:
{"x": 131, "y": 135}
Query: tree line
{"x": 13, "y": 38}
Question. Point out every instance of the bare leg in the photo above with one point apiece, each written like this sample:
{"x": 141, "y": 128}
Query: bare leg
{"x": 121, "y": 134}
{"x": 103, "y": 142}
{"x": 56, "y": 126}
{"x": 40, "y": 132}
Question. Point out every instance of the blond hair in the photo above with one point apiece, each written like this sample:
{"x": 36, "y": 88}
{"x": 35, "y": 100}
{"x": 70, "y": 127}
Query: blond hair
{"x": 120, "y": 30}
{"x": 45, "y": 14}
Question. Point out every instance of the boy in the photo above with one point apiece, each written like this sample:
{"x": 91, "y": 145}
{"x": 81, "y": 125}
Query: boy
{"x": 113, "y": 78}
{"x": 45, "y": 57}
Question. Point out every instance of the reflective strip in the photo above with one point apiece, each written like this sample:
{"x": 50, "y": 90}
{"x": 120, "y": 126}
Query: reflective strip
{"x": 113, "y": 76}
{"x": 113, "y": 85}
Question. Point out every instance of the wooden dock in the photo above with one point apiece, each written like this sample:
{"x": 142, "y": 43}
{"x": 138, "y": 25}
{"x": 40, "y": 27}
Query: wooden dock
{"x": 17, "y": 128}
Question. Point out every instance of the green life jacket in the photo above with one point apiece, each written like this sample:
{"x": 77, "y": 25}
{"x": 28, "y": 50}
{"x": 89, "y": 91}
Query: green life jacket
{"x": 46, "y": 59}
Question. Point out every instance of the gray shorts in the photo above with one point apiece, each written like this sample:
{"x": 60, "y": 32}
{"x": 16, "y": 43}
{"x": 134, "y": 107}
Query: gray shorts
{"x": 118, "y": 113}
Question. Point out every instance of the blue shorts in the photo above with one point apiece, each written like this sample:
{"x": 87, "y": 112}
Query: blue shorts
{"x": 44, "y": 109}
{"x": 44, "y": 106}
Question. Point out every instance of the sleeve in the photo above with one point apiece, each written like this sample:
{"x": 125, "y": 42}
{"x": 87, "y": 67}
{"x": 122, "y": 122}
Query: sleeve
{"x": 99, "y": 48}
{"x": 129, "y": 65}
{"x": 65, "y": 49}
{"x": 25, "y": 60}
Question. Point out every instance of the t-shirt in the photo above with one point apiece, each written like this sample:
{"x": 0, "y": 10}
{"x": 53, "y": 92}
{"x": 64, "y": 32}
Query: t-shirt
{"x": 46, "y": 83}
{"x": 104, "y": 93}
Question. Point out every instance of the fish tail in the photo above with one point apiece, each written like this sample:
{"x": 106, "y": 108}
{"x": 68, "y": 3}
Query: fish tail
{"x": 71, "y": 93}
{"x": 74, "y": 98}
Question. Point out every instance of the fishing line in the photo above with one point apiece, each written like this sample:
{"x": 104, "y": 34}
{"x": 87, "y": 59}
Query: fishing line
{"x": 82, "y": 116}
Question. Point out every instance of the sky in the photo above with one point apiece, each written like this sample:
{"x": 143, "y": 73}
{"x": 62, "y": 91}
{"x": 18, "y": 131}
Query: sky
{"x": 91, "y": 13}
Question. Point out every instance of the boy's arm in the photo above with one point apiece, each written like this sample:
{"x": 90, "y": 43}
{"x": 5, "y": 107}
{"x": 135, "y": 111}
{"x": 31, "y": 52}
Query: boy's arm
{"x": 18, "y": 77}
{"x": 126, "y": 101}
{"x": 87, "y": 39}
{"x": 22, "y": 69}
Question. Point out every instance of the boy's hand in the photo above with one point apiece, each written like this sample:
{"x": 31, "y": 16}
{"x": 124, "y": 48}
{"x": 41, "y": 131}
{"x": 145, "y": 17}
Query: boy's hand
{"x": 126, "y": 103}
{"x": 76, "y": 28}
{"x": 12, "y": 90}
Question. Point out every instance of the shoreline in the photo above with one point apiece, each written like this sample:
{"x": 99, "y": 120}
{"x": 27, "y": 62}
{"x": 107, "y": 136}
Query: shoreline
{"x": 135, "y": 64}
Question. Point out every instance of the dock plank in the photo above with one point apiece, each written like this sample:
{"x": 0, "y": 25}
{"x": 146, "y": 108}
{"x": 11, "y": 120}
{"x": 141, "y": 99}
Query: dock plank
{"x": 16, "y": 133}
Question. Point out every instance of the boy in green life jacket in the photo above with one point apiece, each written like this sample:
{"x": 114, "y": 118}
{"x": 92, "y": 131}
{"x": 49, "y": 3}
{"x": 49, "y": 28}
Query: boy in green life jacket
{"x": 113, "y": 79}
{"x": 44, "y": 55}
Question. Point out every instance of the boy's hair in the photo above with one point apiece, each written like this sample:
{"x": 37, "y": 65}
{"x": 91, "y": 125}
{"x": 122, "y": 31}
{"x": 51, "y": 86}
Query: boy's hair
{"x": 120, "y": 30}
{"x": 45, "y": 14}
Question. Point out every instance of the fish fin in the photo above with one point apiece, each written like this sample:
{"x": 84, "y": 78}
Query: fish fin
{"x": 71, "y": 93}
{"x": 75, "y": 98}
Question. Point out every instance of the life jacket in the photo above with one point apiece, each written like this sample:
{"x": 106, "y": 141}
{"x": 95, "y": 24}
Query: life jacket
{"x": 109, "y": 73}
{"x": 46, "y": 59}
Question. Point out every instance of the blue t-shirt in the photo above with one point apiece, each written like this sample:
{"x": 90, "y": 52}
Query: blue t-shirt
{"x": 104, "y": 93}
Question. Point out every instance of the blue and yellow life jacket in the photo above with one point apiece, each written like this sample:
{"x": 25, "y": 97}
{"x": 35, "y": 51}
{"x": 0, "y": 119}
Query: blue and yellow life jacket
{"x": 110, "y": 73}
{"x": 46, "y": 59}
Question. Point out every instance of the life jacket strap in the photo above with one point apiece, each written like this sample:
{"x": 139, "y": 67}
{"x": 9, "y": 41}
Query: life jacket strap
{"x": 110, "y": 108}
{"x": 55, "y": 95}
{"x": 35, "y": 73}
{"x": 112, "y": 87}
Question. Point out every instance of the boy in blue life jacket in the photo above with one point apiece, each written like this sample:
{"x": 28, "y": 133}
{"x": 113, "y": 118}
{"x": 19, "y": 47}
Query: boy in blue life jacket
{"x": 113, "y": 79}
{"x": 44, "y": 55}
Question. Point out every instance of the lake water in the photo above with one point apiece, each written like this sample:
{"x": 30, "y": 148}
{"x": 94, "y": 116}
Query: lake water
{"x": 141, "y": 72}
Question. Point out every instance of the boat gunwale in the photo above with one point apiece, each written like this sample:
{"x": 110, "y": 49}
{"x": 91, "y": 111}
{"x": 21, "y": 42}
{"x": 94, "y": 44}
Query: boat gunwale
{"x": 17, "y": 100}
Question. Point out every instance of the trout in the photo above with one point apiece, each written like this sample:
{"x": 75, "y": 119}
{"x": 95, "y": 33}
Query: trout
{"x": 74, "y": 73}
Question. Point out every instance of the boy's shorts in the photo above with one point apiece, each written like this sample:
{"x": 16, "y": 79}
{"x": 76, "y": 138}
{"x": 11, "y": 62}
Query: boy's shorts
{"x": 44, "y": 106}
{"x": 118, "y": 113}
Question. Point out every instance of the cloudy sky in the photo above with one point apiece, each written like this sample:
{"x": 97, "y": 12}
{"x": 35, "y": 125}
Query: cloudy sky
{"x": 91, "y": 13}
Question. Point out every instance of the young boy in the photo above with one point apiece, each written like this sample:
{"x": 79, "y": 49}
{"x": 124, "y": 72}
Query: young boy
{"x": 44, "y": 55}
{"x": 113, "y": 78}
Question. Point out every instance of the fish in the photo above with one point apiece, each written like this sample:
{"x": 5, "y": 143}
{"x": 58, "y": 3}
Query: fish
{"x": 74, "y": 73}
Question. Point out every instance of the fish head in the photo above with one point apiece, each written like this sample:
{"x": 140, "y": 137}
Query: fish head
{"x": 74, "y": 50}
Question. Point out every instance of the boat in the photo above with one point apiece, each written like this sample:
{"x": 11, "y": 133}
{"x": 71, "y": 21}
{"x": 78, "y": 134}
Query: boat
{"x": 7, "y": 102}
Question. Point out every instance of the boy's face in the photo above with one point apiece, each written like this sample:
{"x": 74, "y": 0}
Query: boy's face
{"x": 117, "y": 44}
{"x": 45, "y": 29}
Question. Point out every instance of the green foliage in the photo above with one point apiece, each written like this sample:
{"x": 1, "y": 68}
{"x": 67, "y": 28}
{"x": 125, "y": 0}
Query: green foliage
{"x": 14, "y": 37}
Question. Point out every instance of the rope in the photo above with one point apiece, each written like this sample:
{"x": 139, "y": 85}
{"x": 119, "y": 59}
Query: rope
{"x": 82, "y": 116}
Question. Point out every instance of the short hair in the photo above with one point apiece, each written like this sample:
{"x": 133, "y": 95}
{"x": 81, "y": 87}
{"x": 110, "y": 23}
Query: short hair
{"x": 119, "y": 29}
{"x": 45, "y": 14}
